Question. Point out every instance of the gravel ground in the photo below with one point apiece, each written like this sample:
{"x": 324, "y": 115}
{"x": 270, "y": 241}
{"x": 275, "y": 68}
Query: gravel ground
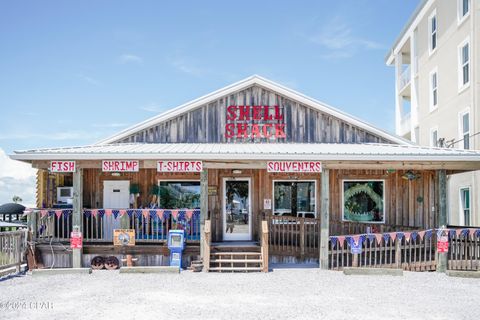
{"x": 280, "y": 294}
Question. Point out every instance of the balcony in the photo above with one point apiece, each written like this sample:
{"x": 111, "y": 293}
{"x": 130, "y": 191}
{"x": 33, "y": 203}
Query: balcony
{"x": 404, "y": 79}
{"x": 404, "y": 129}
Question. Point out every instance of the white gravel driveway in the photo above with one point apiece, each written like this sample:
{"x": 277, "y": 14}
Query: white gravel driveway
{"x": 281, "y": 294}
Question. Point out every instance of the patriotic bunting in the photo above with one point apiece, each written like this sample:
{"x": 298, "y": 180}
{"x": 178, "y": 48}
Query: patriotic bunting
{"x": 58, "y": 213}
{"x": 386, "y": 237}
{"x": 51, "y": 213}
{"x": 101, "y": 213}
{"x": 379, "y": 237}
{"x": 87, "y": 213}
{"x": 145, "y": 213}
{"x": 122, "y": 212}
{"x": 341, "y": 240}
{"x": 94, "y": 213}
{"x": 174, "y": 214}
{"x": 115, "y": 213}
{"x": 333, "y": 240}
{"x": 400, "y": 235}
{"x": 130, "y": 213}
{"x": 153, "y": 214}
{"x": 189, "y": 214}
{"x": 108, "y": 212}
{"x": 160, "y": 214}
{"x": 428, "y": 234}
{"x": 393, "y": 235}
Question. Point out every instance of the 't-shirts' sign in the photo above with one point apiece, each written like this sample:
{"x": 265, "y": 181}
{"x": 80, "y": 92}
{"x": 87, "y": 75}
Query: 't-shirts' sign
{"x": 120, "y": 165}
{"x": 250, "y": 122}
{"x": 179, "y": 166}
{"x": 62, "y": 166}
{"x": 294, "y": 166}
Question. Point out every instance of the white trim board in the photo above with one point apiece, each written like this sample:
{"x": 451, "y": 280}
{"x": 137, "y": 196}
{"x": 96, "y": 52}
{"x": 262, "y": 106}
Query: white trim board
{"x": 246, "y": 83}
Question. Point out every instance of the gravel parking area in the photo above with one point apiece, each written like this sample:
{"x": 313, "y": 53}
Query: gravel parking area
{"x": 281, "y": 294}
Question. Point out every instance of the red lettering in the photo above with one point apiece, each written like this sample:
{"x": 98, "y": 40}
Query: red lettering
{"x": 266, "y": 133}
{"x": 229, "y": 130}
{"x": 279, "y": 133}
{"x": 231, "y": 113}
{"x": 255, "y": 131}
{"x": 244, "y": 113}
{"x": 278, "y": 115}
{"x": 242, "y": 130}
{"x": 266, "y": 114}
{"x": 257, "y": 112}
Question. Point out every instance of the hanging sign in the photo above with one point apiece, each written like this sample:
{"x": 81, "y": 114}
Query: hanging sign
{"x": 120, "y": 165}
{"x": 294, "y": 166}
{"x": 76, "y": 240}
{"x": 267, "y": 204}
{"x": 179, "y": 166}
{"x": 442, "y": 241}
{"x": 356, "y": 247}
{"x": 62, "y": 166}
{"x": 250, "y": 122}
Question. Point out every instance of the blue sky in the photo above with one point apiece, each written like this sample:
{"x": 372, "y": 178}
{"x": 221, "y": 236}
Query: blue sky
{"x": 73, "y": 72}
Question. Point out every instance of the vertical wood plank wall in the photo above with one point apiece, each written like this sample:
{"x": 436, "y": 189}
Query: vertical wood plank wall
{"x": 206, "y": 124}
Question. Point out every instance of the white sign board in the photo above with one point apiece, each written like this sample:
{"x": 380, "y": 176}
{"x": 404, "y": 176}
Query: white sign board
{"x": 294, "y": 166}
{"x": 179, "y": 166}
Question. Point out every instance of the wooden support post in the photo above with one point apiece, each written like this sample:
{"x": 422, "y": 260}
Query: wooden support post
{"x": 203, "y": 207}
{"x": 324, "y": 219}
{"x": 77, "y": 218}
{"x": 442, "y": 215}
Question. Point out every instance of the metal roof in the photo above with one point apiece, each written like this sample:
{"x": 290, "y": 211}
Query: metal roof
{"x": 250, "y": 151}
{"x": 246, "y": 83}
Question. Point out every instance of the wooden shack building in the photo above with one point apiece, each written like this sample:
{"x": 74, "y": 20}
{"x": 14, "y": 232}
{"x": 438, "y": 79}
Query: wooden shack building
{"x": 254, "y": 173}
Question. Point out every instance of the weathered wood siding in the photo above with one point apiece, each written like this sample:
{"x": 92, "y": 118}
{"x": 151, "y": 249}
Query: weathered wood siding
{"x": 206, "y": 124}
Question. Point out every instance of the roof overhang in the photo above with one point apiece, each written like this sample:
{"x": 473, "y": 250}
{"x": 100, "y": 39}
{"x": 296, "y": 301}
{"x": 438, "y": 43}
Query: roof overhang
{"x": 339, "y": 154}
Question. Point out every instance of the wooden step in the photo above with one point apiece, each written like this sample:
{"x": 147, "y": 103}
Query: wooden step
{"x": 235, "y": 253}
{"x": 236, "y": 260}
{"x": 221, "y": 269}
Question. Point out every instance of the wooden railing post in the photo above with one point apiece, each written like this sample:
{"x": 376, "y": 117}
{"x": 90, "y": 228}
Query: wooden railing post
{"x": 442, "y": 215}
{"x": 207, "y": 237}
{"x": 324, "y": 220}
{"x": 203, "y": 208}
{"x": 398, "y": 254}
{"x": 264, "y": 245}
{"x": 77, "y": 217}
{"x": 302, "y": 237}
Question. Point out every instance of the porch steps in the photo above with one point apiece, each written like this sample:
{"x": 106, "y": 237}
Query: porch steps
{"x": 235, "y": 257}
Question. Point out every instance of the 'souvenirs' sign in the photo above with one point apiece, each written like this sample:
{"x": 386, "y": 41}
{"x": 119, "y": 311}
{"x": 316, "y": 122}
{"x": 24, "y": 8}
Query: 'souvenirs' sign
{"x": 243, "y": 122}
{"x": 294, "y": 166}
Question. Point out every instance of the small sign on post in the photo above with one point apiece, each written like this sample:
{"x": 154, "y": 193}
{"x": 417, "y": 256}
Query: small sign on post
{"x": 442, "y": 241}
{"x": 267, "y": 204}
{"x": 76, "y": 240}
{"x": 356, "y": 247}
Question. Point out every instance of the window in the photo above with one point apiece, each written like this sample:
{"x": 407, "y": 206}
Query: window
{"x": 294, "y": 198}
{"x": 464, "y": 64}
{"x": 464, "y": 126}
{"x": 179, "y": 194}
{"x": 434, "y": 137}
{"x": 432, "y": 27}
{"x": 465, "y": 205}
{"x": 433, "y": 89}
{"x": 363, "y": 201}
{"x": 463, "y": 10}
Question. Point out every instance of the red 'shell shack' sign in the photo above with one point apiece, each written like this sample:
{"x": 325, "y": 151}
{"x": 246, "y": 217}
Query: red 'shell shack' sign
{"x": 62, "y": 166}
{"x": 120, "y": 165}
{"x": 294, "y": 166}
{"x": 244, "y": 122}
{"x": 179, "y": 166}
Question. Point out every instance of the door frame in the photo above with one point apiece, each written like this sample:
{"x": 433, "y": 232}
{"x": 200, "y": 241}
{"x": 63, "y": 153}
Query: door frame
{"x": 229, "y": 237}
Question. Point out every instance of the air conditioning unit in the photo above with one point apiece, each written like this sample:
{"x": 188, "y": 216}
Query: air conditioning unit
{"x": 65, "y": 195}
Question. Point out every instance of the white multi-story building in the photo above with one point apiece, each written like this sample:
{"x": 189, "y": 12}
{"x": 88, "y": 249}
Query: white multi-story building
{"x": 437, "y": 89}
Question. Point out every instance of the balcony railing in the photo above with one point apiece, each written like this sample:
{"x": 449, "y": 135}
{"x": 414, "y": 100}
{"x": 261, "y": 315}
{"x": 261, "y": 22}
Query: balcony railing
{"x": 405, "y": 77}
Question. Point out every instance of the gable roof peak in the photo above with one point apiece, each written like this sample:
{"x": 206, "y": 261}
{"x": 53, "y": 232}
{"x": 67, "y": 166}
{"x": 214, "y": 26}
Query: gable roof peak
{"x": 252, "y": 80}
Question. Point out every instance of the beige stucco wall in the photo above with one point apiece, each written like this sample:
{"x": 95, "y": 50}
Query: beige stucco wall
{"x": 451, "y": 102}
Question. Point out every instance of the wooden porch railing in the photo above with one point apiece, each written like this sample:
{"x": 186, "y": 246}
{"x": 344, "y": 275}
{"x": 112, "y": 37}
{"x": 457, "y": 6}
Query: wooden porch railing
{"x": 348, "y": 227}
{"x": 293, "y": 235}
{"x": 12, "y": 249}
{"x": 207, "y": 241}
{"x": 413, "y": 252}
{"x": 264, "y": 245}
{"x": 56, "y": 225}
{"x": 464, "y": 250}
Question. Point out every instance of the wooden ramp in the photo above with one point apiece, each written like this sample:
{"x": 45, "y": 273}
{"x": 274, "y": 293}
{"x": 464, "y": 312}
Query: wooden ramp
{"x": 236, "y": 257}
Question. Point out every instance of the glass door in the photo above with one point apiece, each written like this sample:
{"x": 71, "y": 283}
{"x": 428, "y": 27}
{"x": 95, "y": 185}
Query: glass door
{"x": 236, "y": 209}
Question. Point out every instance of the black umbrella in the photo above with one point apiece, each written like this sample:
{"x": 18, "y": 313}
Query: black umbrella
{"x": 10, "y": 209}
